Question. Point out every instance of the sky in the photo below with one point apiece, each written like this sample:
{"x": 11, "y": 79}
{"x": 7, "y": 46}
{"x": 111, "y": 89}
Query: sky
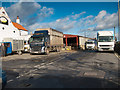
{"x": 68, "y": 17}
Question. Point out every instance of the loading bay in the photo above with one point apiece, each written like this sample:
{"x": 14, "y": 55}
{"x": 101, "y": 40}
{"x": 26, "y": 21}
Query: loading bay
{"x": 65, "y": 69}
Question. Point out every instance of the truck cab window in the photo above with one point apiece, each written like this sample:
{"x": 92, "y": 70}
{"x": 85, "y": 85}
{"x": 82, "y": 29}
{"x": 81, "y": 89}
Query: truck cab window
{"x": 105, "y": 38}
{"x": 37, "y": 39}
{"x": 3, "y": 20}
{"x": 24, "y": 42}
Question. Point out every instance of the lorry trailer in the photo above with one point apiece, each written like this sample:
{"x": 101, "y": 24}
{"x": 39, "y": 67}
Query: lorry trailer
{"x": 45, "y": 40}
{"x": 11, "y": 45}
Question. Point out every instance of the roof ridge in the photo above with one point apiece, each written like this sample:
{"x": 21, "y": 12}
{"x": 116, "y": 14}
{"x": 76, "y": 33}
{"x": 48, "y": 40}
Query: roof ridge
{"x": 19, "y": 26}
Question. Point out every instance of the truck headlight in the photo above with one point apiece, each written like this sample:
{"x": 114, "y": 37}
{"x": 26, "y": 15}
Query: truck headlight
{"x": 43, "y": 48}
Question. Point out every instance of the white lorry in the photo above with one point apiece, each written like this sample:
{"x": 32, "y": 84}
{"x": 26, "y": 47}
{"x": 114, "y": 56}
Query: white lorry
{"x": 91, "y": 45}
{"x": 105, "y": 41}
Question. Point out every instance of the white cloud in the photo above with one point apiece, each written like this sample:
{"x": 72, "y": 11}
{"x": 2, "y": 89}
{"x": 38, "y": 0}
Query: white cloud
{"x": 25, "y": 10}
{"x": 100, "y": 15}
{"x": 76, "y": 16}
{"x": 106, "y": 21}
{"x": 102, "y": 21}
{"x": 45, "y": 12}
{"x": 90, "y": 23}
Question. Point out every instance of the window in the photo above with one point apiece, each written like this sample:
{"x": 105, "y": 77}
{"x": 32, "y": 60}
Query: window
{"x": 37, "y": 39}
{"x": 14, "y": 31}
{"x": 105, "y": 38}
{"x": 25, "y": 42}
{"x": 3, "y": 12}
{"x": 3, "y": 20}
{"x": 89, "y": 42}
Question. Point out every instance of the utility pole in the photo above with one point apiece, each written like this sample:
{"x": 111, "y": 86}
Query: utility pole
{"x": 85, "y": 35}
{"x": 114, "y": 34}
{"x": 118, "y": 22}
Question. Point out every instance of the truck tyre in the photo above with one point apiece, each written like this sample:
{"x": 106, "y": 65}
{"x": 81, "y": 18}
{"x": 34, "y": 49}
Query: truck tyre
{"x": 58, "y": 50}
{"x": 47, "y": 52}
{"x": 19, "y": 52}
{"x": 31, "y": 53}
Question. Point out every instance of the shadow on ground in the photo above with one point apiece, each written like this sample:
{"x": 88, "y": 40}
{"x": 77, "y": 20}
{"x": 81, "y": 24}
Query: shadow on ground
{"x": 64, "y": 81}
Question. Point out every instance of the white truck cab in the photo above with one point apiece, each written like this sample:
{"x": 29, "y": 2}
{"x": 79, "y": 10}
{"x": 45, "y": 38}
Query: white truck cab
{"x": 105, "y": 41}
{"x": 90, "y": 45}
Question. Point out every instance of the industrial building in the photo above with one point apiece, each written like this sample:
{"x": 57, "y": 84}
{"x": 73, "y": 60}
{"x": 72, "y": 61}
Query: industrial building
{"x": 75, "y": 41}
{"x": 71, "y": 40}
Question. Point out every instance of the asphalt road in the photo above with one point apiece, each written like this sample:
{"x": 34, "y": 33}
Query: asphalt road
{"x": 66, "y": 69}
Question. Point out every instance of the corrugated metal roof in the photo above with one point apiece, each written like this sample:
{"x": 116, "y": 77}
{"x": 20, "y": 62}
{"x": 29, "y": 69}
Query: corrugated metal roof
{"x": 18, "y": 26}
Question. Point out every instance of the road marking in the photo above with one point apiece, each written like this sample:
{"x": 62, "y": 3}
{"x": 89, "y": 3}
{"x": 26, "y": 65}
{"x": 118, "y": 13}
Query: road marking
{"x": 117, "y": 55}
{"x": 42, "y": 65}
{"x": 9, "y": 80}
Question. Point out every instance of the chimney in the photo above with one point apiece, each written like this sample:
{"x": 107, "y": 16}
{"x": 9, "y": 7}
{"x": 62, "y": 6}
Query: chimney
{"x": 18, "y": 20}
{"x": 31, "y": 33}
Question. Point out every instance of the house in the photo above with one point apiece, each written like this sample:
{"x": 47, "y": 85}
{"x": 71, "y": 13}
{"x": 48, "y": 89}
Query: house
{"x": 9, "y": 29}
{"x": 22, "y": 30}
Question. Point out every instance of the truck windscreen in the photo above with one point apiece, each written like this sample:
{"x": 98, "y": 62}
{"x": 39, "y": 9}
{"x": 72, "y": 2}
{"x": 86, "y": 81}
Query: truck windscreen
{"x": 105, "y": 38}
{"x": 89, "y": 43}
{"x": 37, "y": 39}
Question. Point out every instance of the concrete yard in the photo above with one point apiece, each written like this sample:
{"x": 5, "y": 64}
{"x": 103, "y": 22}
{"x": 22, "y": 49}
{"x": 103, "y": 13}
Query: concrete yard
{"x": 65, "y": 69}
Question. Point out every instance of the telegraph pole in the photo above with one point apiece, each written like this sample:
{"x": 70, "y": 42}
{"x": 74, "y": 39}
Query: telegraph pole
{"x": 118, "y": 22}
{"x": 114, "y": 33}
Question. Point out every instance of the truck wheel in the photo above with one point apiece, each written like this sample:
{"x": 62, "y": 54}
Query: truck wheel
{"x": 47, "y": 52}
{"x": 31, "y": 53}
{"x": 19, "y": 53}
{"x": 58, "y": 50}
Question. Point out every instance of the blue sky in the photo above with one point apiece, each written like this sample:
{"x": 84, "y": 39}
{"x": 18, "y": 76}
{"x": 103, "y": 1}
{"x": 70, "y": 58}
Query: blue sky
{"x": 68, "y": 17}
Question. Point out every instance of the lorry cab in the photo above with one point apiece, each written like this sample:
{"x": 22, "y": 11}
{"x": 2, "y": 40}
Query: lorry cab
{"x": 39, "y": 42}
{"x": 90, "y": 45}
{"x": 105, "y": 41}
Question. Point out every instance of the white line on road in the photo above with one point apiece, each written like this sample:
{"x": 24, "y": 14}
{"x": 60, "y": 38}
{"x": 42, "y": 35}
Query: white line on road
{"x": 42, "y": 65}
{"x": 9, "y": 80}
{"x": 117, "y": 56}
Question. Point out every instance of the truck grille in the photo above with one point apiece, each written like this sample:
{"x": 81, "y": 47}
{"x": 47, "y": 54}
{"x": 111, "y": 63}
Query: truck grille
{"x": 36, "y": 48}
{"x": 89, "y": 46}
{"x": 104, "y": 45}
